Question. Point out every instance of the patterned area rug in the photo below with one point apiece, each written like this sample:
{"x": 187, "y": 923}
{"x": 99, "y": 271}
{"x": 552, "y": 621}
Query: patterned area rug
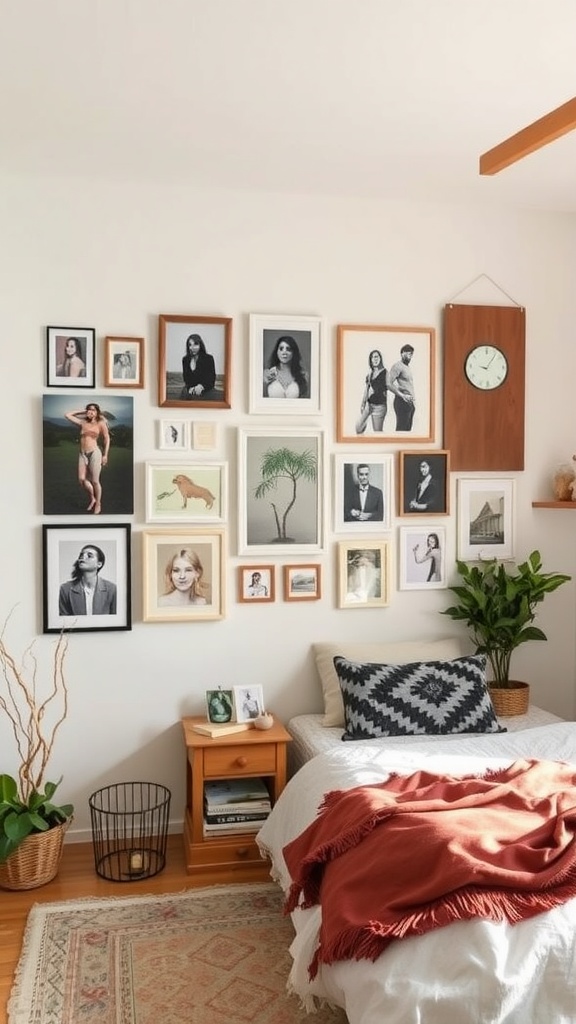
{"x": 206, "y": 956}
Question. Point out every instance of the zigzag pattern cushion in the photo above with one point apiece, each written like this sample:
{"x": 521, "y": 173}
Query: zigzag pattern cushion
{"x": 423, "y": 697}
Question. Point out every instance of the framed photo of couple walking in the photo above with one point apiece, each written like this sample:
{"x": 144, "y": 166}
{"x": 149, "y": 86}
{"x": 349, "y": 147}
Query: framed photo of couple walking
{"x": 285, "y": 365}
{"x": 385, "y": 384}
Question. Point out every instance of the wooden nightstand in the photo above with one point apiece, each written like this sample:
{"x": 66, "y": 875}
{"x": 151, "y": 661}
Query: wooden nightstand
{"x": 254, "y": 753}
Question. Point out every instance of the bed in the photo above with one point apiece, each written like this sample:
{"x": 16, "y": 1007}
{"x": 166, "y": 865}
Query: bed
{"x": 476, "y": 971}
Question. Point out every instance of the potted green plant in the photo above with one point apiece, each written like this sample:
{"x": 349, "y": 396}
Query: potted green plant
{"x": 498, "y": 604}
{"x": 31, "y": 825}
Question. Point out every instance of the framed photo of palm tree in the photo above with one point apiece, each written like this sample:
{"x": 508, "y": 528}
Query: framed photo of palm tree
{"x": 281, "y": 490}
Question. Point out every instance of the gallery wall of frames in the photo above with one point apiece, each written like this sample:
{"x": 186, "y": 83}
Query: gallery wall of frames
{"x": 302, "y": 491}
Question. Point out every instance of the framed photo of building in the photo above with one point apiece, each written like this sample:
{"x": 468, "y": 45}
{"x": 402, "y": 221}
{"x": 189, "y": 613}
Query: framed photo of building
{"x": 256, "y": 583}
{"x": 302, "y": 582}
{"x": 183, "y": 575}
{"x": 194, "y": 361}
{"x": 424, "y": 483}
{"x": 363, "y": 574}
{"x": 86, "y": 578}
{"x": 385, "y": 384}
{"x": 363, "y": 492}
{"x": 124, "y": 362}
{"x": 285, "y": 365}
{"x": 281, "y": 489}
{"x": 70, "y": 354}
{"x": 187, "y": 492}
{"x": 422, "y": 558}
{"x": 486, "y": 514}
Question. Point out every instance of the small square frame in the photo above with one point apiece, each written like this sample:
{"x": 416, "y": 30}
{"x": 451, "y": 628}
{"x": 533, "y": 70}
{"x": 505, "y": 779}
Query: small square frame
{"x": 226, "y": 700}
{"x": 123, "y": 362}
{"x": 173, "y": 435}
{"x": 81, "y": 370}
{"x": 372, "y": 591}
{"x": 62, "y": 596}
{"x": 305, "y": 334}
{"x": 486, "y": 515}
{"x": 261, "y": 591}
{"x": 216, "y": 335}
{"x": 355, "y": 423}
{"x": 435, "y": 500}
{"x": 422, "y": 565}
{"x": 186, "y": 492}
{"x": 160, "y": 547}
{"x": 248, "y": 703}
{"x": 348, "y": 514}
{"x": 302, "y": 582}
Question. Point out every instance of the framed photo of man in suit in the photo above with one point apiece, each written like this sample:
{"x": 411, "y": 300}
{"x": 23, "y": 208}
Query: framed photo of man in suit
{"x": 362, "y": 493}
{"x": 86, "y": 572}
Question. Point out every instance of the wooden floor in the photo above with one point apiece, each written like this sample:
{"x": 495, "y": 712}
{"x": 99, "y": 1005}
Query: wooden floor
{"x": 76, "y": 878}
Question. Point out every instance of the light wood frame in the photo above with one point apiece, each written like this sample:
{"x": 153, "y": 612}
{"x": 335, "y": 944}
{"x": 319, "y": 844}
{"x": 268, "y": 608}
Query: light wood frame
{"x": 216, "y": 334}
{"x": 306, "y": 335}
{"x": 491, "y": 500}
{"x": 302, "y": 582}
{"x": 355, "y": 343}
{"x": 436, "y": 502}
{"x": 246, "y": 583}
{"x": 372, "y": 592}
{"x": 159, "y": 548}
{"x": 123, "y": 362}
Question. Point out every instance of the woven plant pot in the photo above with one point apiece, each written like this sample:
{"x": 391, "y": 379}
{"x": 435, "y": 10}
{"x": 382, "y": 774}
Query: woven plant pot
{"x": 36, "y": 861}
{"x": 513, "y": 700}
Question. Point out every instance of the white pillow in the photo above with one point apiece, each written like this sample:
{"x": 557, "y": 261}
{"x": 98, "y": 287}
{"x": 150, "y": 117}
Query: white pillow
{"x": 399, "y": 653}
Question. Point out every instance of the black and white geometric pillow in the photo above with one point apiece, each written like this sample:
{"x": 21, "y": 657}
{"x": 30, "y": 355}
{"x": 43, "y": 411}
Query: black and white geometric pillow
{"x": 423, "y": 697}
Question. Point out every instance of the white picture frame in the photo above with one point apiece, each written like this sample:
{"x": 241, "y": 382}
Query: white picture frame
{"x": 186, "y": 492}
{"x": 486, "y": 518}
{"x": 248, "y": 703}
{"x": 281, "y": 513}
{"x": 422, "y": 563}
{"x": 173, "y": 435}
{"x": 286, "y": 398}
{"x": 352, "y": 513}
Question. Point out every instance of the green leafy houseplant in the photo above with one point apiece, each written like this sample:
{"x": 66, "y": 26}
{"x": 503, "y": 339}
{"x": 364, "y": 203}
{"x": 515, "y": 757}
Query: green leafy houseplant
{"x": 26, "y": 805}
{"x": 499, "y": 606}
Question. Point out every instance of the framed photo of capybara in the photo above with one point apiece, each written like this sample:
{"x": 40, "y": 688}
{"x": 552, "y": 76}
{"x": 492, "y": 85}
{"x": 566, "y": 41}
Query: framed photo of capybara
{"x": 186, "y": 492}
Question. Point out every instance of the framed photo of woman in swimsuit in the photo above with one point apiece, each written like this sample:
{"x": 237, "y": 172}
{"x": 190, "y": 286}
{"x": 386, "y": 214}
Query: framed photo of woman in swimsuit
{"x": 194, "y": 361}
{"x": 70, "y": 353}
{"x": 422, "y": 558}
{"x": 285, "y": 365}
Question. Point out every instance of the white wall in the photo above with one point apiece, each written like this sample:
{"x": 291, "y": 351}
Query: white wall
{"x": 114, "y": 255}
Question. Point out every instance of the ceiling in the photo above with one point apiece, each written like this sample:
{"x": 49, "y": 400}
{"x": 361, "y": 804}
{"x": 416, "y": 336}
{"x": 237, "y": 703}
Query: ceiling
{"x": 391, "y": 98}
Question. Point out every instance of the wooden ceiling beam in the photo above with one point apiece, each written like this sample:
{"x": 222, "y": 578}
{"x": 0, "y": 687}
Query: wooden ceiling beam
{"x": 548, "y": 128}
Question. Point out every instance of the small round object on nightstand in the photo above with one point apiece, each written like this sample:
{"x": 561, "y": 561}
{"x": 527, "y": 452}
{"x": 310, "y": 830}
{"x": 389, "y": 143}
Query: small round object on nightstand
{"x": 264, "y": 721}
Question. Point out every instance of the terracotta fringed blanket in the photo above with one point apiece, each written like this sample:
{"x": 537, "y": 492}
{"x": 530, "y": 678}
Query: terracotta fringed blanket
{"x": 421, "y": 851}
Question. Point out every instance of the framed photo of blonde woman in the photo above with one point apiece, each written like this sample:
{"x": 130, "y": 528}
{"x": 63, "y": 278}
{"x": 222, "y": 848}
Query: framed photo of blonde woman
{"x": 183, "y": 575}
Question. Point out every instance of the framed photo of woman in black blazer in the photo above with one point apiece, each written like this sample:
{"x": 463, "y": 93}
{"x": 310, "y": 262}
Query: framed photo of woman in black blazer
{"x": 424, "y": 483}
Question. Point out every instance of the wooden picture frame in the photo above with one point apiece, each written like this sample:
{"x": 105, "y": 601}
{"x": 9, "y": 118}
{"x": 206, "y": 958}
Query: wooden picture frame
{"x": 424, "y": 483}
{"x": 359, "y": 510}
{"x": 302, "y": 582}
{"x": 166, "y": 552}
{"x": 248, "y": 703}
{"x": 256, "y": 584}
{"x": 186, "y": 492}
{"x": 63, "y": 420}
{"x": 281, "y": 491}
{"x": 208, "y": 384}
{"x": 363, "y": 574}
{"x": 422, "y": 563}
{"x": 173, "y": 435}
{"x": 486, "y": 518}
{"x": 287, "y": 386}
{"x": 97, "y": 556}
{"x": 369, "y": 408}
{"x": 123, "y": 362}
{"x": 70, "y": 357}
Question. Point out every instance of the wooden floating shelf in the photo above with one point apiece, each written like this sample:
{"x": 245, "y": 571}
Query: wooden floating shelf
{"x": 553, "y": 505}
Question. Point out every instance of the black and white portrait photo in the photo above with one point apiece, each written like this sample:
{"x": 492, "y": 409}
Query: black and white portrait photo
{"x": 424, "y": 483}
{"x": 285, "y": 364}
{"x": 86, "y": 578}
{"x": 363, "y": 493}
{"x": 194, "y": 361}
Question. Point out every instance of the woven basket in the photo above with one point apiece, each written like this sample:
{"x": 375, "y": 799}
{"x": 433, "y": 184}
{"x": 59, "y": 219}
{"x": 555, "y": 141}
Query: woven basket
{"x": 36, "y": 861}
{"x": 510, "y": 701}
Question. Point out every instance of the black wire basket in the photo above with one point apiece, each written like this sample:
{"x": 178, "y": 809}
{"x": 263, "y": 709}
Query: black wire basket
{"x": 130, "y": 830}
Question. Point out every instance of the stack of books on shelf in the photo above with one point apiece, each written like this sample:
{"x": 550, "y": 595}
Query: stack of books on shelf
{"x": 233, "y": 806}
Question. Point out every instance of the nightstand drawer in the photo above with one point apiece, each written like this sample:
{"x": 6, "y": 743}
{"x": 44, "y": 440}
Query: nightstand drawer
{"x": 240, "y": 760}
{"x": 240, "y": 849}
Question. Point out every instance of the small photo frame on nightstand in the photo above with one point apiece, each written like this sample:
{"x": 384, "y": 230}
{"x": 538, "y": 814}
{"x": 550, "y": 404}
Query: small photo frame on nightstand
{"x": 220, "y": 706}
{"x": 248, "y": 703}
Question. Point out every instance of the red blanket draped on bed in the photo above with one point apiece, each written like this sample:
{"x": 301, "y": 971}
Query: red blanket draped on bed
{"x": 420, "y": 851}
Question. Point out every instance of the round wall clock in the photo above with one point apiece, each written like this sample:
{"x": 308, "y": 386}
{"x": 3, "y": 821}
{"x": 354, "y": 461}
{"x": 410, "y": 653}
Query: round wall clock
{"x": 486, "y": 367}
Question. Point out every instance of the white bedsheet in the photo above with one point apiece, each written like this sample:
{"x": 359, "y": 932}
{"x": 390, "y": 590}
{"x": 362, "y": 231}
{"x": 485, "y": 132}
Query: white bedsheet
{"x": 472, "y": 972}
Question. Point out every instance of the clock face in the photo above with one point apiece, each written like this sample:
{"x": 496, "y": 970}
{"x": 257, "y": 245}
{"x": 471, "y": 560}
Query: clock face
{"x": 486, "y": 367}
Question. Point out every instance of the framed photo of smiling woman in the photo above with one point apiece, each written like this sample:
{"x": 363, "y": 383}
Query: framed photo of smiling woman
{"x": 183, "y": 575}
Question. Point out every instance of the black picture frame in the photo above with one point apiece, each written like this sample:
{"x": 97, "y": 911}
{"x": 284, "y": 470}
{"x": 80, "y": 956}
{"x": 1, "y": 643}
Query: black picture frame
{"x": 78, "y": 371}
{"x": 435, "y": 499}
{"x": 63, "y": 602}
